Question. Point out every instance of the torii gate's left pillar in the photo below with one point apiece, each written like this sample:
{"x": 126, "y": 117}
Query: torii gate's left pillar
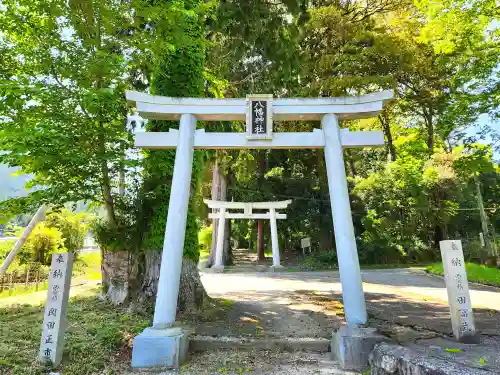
{"x": 164, "y": 345}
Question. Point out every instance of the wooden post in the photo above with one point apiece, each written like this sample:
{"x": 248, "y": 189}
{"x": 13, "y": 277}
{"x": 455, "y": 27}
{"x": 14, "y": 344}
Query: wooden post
{"x": 37, "y": 278}
{"x": 11, "y": 282}
{"x": 26, "y": 283}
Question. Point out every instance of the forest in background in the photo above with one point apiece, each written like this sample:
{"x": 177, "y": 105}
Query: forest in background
{"x": 64, "y": 67}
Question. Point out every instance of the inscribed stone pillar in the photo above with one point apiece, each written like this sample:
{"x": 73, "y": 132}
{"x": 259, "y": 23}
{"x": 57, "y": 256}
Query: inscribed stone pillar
{"x": 54, "y": 318}
{"x": 462, "y": 319}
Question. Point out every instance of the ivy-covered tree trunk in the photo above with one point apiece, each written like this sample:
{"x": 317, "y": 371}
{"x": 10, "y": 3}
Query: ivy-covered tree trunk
{"x": 179, "y": 74}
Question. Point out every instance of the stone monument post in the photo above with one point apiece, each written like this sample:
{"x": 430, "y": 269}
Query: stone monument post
{"x": 54, "y": 320}
{"x": 455, "y": 276}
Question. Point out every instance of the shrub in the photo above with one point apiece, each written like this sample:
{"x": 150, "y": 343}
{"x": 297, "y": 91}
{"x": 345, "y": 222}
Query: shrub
{"x": 5, "y": 248}
{"x": 72, "y": 226}
{"x": 205, "y": 237}
{"x": 41, "y": 244}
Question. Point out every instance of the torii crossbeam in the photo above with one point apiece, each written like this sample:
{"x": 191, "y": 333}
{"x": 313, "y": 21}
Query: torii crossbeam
{"x": 259, "y": 111}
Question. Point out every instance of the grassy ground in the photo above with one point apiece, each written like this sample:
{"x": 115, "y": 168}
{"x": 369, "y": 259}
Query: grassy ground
{"x": 475, "y": 272}
{"x": 86, "y": 268}
{"x": 96, "y": 332}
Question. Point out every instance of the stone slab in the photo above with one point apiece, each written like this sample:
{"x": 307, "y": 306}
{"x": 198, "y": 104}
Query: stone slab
{"x": 160, "y": 348}
{"x": 202, "y": 343}
{"x": 484, "y": 355}
{"x": 351, "y": 346}
{"x": 392, "y": 359}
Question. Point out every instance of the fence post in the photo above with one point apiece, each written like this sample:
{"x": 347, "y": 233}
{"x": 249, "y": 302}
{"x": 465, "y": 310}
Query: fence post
{"x": 11, "y": 282}
{"x": 37, "y": 278}
{"x": 26, "y": 283}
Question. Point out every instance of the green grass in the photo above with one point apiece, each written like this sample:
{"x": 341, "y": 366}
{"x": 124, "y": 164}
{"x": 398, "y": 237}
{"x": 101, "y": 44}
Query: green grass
{"x": 86, "y": 267}
{"x": 19, "y": 290}
{"x": 96, "y": 331}
{"x": 475, "y": 272}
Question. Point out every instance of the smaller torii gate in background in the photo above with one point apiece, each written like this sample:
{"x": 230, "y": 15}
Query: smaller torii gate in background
{"x": 247, "y": 208}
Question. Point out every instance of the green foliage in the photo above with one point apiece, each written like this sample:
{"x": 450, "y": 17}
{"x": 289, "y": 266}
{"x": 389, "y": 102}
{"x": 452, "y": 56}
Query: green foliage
{"x": 205, "y": 237}
{"x": 41, "y": 244}
{"x": 5, "y": 248}
{"x": 321, "y": 260}
{"x": 475, "y": 273}
{"x": 178, "y": 73}
{"x": 73, "y": 227}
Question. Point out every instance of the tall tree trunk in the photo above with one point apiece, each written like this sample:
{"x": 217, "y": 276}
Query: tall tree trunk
{"x": 484, "y": 219}
{"x": 106, "y": 180}
{"x": 219, "y": 193}
{"x": 180, "y": 74}
{"x": 430, "y": 130}
{"x": 386, "y": 128}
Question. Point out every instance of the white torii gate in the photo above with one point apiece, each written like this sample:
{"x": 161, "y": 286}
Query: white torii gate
{"x": 247, "y": 208}
{"x": 259, "y": 111}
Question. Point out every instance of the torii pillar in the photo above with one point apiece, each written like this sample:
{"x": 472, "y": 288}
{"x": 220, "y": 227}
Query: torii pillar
{"x": 165, "y": 346}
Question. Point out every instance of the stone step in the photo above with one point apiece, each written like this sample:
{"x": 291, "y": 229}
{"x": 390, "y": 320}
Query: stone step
{"x": 204, "y": 343}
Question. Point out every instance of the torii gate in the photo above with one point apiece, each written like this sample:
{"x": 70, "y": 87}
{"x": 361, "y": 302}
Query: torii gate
{"x": 247, "y": 208}
{"x": 161, "y": 345}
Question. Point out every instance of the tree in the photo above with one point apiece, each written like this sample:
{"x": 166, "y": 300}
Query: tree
{"x": 64, "y": 117}
{"x": 178, "y": 73}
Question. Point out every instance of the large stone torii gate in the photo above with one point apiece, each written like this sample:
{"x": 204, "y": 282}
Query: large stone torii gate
{"x": 165, "y": 346}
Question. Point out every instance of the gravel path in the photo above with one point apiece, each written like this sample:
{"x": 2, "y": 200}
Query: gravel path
{"x": 309, "y": 304}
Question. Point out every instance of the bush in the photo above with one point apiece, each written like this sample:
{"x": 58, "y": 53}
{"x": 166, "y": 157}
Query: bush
{"x": 5, "y": 248}
{"x": 72, "y": 226}
{"x": 205, "y": 237}
{"x": 320, "y": 260}
{"x": 41, "y": 244}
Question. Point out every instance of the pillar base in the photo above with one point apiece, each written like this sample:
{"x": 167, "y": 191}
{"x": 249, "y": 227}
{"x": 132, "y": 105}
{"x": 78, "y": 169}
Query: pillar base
{"x": 218, "y": 269}
{"x": 352, "y": 346}
{"x": 277, "y": 268}
{"x": 160, "y": 348}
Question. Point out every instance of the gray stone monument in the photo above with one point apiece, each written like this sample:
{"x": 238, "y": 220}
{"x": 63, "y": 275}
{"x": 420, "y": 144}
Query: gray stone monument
{"x": 455, "y": 276}
{"x": 54, "y": 320}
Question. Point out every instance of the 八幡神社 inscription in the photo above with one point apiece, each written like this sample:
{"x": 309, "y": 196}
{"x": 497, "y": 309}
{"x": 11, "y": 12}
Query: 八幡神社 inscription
{"x": 259, "y": 116}
{"x": 54, "y": 321}
{"x": 462, "y": 320}
{"x": 259, "y": 121}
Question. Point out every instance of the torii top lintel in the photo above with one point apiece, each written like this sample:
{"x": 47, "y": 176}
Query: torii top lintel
{"x": 206, "y": 109}
{"x": 259, "y": 120}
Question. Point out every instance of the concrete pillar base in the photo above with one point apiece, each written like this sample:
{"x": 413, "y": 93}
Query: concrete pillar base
{"x": 160, "y": 348}
{"x": 279, "y": 267}
{"x": 218, "y": 269}
{"x": 351, "y": 345}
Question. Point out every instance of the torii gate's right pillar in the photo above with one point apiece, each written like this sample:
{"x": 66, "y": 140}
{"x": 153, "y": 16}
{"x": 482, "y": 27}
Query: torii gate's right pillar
{"x": 347, "y": 253}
